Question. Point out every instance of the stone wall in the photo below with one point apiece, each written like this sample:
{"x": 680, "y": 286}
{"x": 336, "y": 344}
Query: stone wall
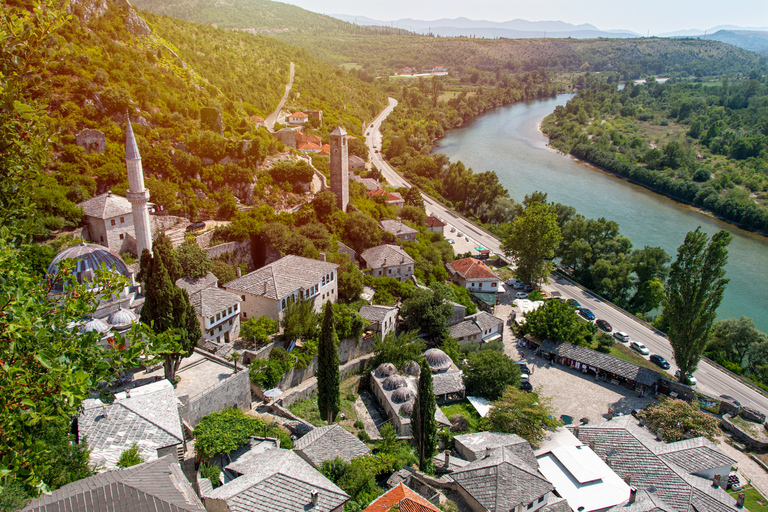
{"x": 742, "y": 436}
{"x": 348, "y": 349}
{"x": 241, "y": 251}
{"x": 91, "y": 140}
{"x": 234, "y": 391}
{"x": 311, "y": 390}
{"x": 204, "y": 240}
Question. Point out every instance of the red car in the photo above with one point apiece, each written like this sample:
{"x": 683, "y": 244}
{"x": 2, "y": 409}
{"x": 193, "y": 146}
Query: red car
{"x": 529, "y": 288}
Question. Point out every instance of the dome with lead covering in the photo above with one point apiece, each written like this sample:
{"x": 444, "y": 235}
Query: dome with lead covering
{"x": 395, "y": 381}
{"x": 412, "y": 368}
{"x": 437, "y": 359}
{"x": 94, "y": 324}
{"x": 122, "y": 317}
{"x": 88, "y": 258}
{"x": 386, "y": 369}
{"x": 406, "y": 409}
{"x": 401, "y": 395}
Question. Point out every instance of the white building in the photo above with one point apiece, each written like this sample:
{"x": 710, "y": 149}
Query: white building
{"x": 473, "y": 275}
{"x": 388, "y": 261}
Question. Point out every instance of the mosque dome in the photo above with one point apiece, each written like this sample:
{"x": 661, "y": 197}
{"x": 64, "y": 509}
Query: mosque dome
{"x": 94, "y": 324}
{"x": 406, "y": 409}
{"x": 89, "y": 257}
{"x": 412, "y": 368}
{"x": 122, "y": 317}
{"x": 437, "y": 359}
{"x": 395, "y": 381}
{"x": 386, "y": 369}
{"x": 401, "y": 395}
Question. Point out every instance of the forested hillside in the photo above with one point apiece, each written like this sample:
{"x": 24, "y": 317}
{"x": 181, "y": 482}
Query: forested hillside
{"x": 108, "y": 61}
{"x": 704, "y": 143}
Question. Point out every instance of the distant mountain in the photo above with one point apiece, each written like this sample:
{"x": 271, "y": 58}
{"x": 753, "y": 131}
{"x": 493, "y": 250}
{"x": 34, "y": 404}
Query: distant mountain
{"x": 518, "y": 29}
{"x": 698, "y": 32}
{"x": 756, "y": 41}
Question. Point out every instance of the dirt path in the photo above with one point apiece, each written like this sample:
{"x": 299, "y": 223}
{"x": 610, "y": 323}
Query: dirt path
{"x": 269, "y": 123}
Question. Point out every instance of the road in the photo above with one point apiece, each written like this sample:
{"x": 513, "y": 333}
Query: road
{"x": 269, "y": 123}
{"x": 710, "y": 379}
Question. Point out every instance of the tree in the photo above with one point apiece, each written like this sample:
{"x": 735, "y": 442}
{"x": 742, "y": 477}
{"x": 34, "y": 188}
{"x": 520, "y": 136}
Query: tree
{"x": 130, "y": 457}
{"x": 235, "y": 357}
{"x": 194, "y": 261}
{"x": 398, "y": 349}
{"x": 490, "y": 373}
{"x": 298, "y": 320}
{"x": 735, "y": 337}
{"x": 532, "y": 243}
{"x": 423, "y": 423}
{"x": 680, "y": 419}
{"x": 350, "y": 281}
{"x": 221, "y": 432}
{"x": 694, "y": 291}
{"x": 526, "y": 414}
{"x": 328, "y": 379}
{"x": 427, "y": 311}
{"x": 557, "y": 320}
{"x": 258, "y": 329}
{"x": 413, "y": 198}
{"x": 361, "y": 231}
{"x": 324, "y": 204}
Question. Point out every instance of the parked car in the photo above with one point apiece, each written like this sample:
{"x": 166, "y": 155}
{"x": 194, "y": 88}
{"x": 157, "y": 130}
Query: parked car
{"x": 621, "y": 336}
{"x": 586, "y": 313}
{"x": 659, "y": 361}
{"x": 691, "y": 379}
{"x": 526, "y": 386}
{"x": 521, "y": 295}
{"x": 731, "y": 399}
{"x": 195, "y": 226}
{"x": 636, "y": 345}
{"x": 519, "y": 285}
{"x": 450, "y": 241}
{"x": 574, "y": 303}
{"x": 604, "y": 325}
{"x": 529, "y": 288}
{"x": 523, "y": 367}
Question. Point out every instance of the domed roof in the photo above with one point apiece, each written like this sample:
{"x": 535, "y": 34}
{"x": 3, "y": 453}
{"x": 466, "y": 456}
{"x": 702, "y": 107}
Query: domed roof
{"x": 412, "y": 368}
{"x": 94, "y": 324}
{"x": 386, "y": 369}
{"x": 403, "y": 394}
{"x": 394, "y": 382}
{"x": 122, "y": 317}
{"x": 89, "y": 257}
{"x": 437, "y": 359}
{"x": 406, "y": 409}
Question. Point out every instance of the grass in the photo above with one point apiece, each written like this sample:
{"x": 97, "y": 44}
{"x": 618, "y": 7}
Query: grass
{"x": 465, "y": 409}
{"x": 755, "y": 429}
{"x": 627, "y": 354}
{"x": 350, "y": 65}
{"x": 307, "y": 409}
{"x": 755, "y": 501}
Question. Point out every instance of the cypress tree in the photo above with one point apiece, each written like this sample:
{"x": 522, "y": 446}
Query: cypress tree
{"x": 423, "y": 424}
{"x": 328, "y": 401}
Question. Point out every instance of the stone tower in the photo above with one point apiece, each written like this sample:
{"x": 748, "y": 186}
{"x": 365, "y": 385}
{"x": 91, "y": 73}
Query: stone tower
{"x": 340, "y": 167}
{"x": 137, "y": 194}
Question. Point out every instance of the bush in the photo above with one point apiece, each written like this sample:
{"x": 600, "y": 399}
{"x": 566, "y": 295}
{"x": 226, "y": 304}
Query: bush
{"x": 363, "y": 436}
{"x": 459, "y": 423}
{"x": 221, "y": 432}
{"x": 130, "y": 457}
{"x": 212, "y": 472}
{"x": 605, "y": 342}
{"x": 359, "y": 425}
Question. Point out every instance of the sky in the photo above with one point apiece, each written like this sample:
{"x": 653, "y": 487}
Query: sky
{"x": 646, "y": 16}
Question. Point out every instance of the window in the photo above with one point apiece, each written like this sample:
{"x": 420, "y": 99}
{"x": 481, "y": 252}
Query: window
{"x": 211, "y": 320}
{"x": 122, "y": 236}
{"x": 112, "y": 222}
{"x": 282, "y": 306}
{"x": 229, "y": 311}
{"x": 243, "y": 297}
{"x": 493, "y": 285}
{"x": 122, "y": 219}
{"x": 541, "y": 499}
{"x": 219, "y": 328}
{"x": 218, "y": 316}
{"x": 237, "y": 306}
{"x": 245, "y": 315}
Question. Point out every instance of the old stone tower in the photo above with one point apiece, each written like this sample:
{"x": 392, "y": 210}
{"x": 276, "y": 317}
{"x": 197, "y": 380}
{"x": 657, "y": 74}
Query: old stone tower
{"x": 137, "y": 194}
{"x": 340, "y": 167}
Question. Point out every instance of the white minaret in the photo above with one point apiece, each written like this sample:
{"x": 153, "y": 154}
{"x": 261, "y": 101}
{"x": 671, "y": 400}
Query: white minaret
{"x": 137, "y": 194}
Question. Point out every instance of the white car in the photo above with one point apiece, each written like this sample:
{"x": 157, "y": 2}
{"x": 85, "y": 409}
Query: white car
{"x": 519, "y": 285}
{"x": 621, "y": 336}
{"x": 636, "y": 345}
{"x": 521, "y": 295}
{"x": 690, "y": 376}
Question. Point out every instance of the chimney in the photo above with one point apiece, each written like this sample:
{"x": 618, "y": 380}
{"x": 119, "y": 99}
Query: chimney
{"x": 487, "y": 451}
{"x": 627, "y": 479}
{"x": 740, "y": 500}
{"x": 265, "y": 287}
{"x": 322, "y": 256}
{"x": 576, "y": 432}
{"x": 716, "y": 480}
{"x": 314, "y": 497}
{"x": 608, "y": 462}
{"x": 632, "y": 495}
{"x": 660, "y": 434}
{"x": 592, "y": 445}
{"x": 447, "y": 458}
{"x": 239, "y": 272}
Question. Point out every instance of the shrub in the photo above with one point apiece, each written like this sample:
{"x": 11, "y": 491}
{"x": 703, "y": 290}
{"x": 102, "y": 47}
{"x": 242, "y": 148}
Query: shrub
{"x": 363, "y": 436}
{"x": 224, "y": 431}
{"x": 212, "y": 472}
{"x": 604, "y": 343}
{"x": 359, "y": 425}
{"x": 130, "y": 457}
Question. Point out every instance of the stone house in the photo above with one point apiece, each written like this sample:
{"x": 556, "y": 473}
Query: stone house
{"x": 388, "y": 261}
{"x": 109, "y": 222}
{"x": 481, "y": 327}
{"x": 297, "y": 118}
{"x": 392, "y": 198}
{"x": 402, "y": 232}
{"x": 268, "y": 290}
{"x": 435, "y": 225}
{"x": 473, "y": 275}
{"x": 329, "y": 442}
{"x": 381, "y": 319}
{"x": 217, "y": 310}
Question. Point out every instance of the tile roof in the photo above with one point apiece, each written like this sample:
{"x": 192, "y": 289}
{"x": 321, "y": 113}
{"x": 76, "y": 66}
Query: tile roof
{"x": 257, "y": 119}
{"x": 329, "y": 442}
{"x": 434, "y": 222}
{"x": 376, "y": 313}
{"x": 404, "y": 499}
{"x": 156, "y": 486}
{"x": 451, "y": 381}
{"x": 633, "y": 450}
{"x": 209, "y": 301}
{"x": 149, "y": 418}
{"x": 477, "y": 442}
{"x": 385, "y": 256}
{"x": 277, "y": 480}
{"x": 472, "y": 269}
{"x": 695, "y": 455}
{"x": 309, "y": 146}
{"x": 298, "y": 114}
{"x": 195, "y": 284}
{"x": 106, "y": 206}
{"x": 392, "y": 197}
{"x": 602, "y": 361}
{"x": 486, "y": 320}
{"x": 397, "y": 227}
{"x": 644, "y": 502}
{"x": 356, "y": 161}
{"x": 283, "y": 277}
{"x": 504, "y": 479}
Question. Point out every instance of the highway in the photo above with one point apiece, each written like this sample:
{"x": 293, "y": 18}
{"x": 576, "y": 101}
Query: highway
{"x": 710, "y": 379}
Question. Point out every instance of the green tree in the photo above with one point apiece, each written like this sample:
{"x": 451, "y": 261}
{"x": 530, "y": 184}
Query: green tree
{"x": 680, "y": 419}
{"x": 350, "y": 281}
{"x": 194, "y": 261}
{"x": 398, "y": 349}
{"x": 258, "y": 329}
{"x": 328, "y": 379}
{"x": 221, "y": 432}
{"x": 361, "y": 231}
{"x": 298, "y": 320}
{"x": 734, "y": 336}
{"x": 558, "y": 320}
{"x": 423, "y": 423}
{"x": 525, "y": 414}
{"x": 413, "y": 198}
{"x": 490, "y": 373}
{"x": 130, "y": 457}
{"x": 532, "y": 243}
{"x": 427, "y": 311}
{"x": 694, "y": 291}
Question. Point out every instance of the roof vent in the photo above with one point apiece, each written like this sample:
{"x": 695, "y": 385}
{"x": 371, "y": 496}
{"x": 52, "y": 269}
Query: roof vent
{"x": 315, "y": 497}
{"x": 487, "y": 451}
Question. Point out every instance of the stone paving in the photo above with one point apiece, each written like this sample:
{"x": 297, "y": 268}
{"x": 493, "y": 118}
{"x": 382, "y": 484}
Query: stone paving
{"x": 749, "y": 471}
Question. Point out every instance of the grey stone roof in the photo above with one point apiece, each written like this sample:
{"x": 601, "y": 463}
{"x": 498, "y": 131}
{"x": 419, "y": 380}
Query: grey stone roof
{"x": 385, "y": 256}
{"x": 356, "y": 162}
{"x": 195, "y": 284}
{"x": 131, "y": 149}
{"x": 277, "y": 480}
{"x": 602, "y": 361}
{"x": 503, "y": 480}
{"x": 209, "y": 301}
{"x": 477, "y": 442}
{"x": 328, "y": 442}
{"x": 156, "y": 486}
{"x": 376, "y": 313}
{"x": 339, "y": 131}
{"x": 149, "y": 418}
{"x": 644, "y": 502}
{"x": 632, "y": 450}
{"x": 448, "y": 382}
{"x": 556, "y": 504}
{"x": 695, "y": 455}
{"x": 106, "y": 206}
{"x": 464, "y": 329}
{"x": 397, "y": 227}
{"x": 370, "y": 184}
{"x": 486, "y": 320}
{"x": 283, "y": 277}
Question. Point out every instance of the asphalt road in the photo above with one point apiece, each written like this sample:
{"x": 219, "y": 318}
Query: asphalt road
{"x": 710, "y": 379}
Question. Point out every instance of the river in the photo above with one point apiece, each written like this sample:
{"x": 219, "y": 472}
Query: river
{"x": 507, "y": 140}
